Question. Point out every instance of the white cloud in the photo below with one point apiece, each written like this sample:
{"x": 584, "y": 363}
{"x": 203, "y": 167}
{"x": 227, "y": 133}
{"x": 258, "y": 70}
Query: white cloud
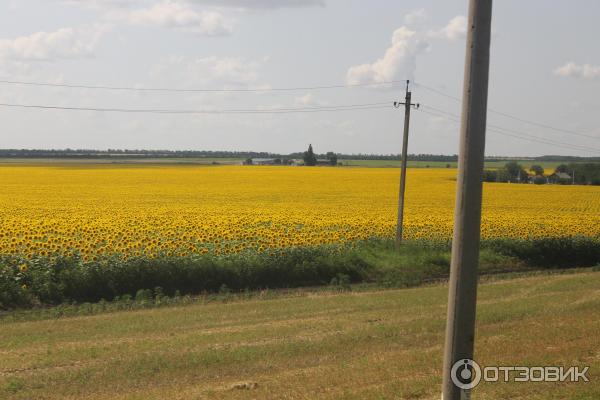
{"x": 65, "y": 43}
{"x": 264, "y": 4}
{"x": 218, "y": 72}
{"x": 172, "y": 14}
{"x": 398, "y": 62}
{"x": 456, "y": 29}
{"x": 97, "y": 3}
{"x": 586, "y": 71}
{"x": 416, "y": 17}
{"x": 309, "y": 99}
{"x": 339, "y": 128}
{"x": 230, "y": 69}
{"x": 241, "y": 4}
{"x": 441, "y": 124}
{"x": 306, "y": 100}
{"x": 205, "y": 17}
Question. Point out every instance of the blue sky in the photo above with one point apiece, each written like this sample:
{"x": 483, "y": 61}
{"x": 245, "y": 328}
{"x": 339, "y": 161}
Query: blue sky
{"x": 545, "y": 68}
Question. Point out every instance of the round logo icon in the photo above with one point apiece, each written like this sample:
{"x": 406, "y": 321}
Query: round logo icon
{"x": 465, "y": 373}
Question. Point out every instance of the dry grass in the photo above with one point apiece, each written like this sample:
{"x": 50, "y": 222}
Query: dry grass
{"x": 368, "y": 345}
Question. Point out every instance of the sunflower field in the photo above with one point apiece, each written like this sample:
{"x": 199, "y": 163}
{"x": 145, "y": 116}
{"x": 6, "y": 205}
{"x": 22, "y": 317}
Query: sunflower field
{"x": 147, "y": 211}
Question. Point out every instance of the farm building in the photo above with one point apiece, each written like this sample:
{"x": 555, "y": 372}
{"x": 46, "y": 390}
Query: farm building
{"x": 263, "y": 161}
{"x": 323, "y": 162}
{"x": 560, "y": 177}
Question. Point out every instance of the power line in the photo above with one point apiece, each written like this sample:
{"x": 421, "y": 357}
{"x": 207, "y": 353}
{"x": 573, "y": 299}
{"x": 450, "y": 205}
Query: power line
{"x": 513, "y": 117}
{"x": 283, "y": 89}
{"x": 516, "y": 134}
{"x": 433, "y": 90}
{"x": 367, "y": 106}
{"x": 540, "y": 125}
{"x": 581, "y": 147}
{"x": 197, "y": 90}
{"x": 408, "y": 105}
{"x": 511, "y": 133}
{"x": 286, "y": 89}
{"x": 350, "y": 107}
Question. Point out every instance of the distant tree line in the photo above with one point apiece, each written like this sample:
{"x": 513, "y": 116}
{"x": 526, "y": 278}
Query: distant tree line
{"x": 411, "y": 157}
{"x": 87, "y": 153}
{"x": 580, "y": 173}
{"x": 134, "y": 153}
{"x": 567, "y": 158}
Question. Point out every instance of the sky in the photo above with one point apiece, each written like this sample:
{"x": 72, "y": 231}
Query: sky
{"x": 543, "y": 93}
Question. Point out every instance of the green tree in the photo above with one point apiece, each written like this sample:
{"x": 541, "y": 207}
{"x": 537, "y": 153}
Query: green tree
{"x": 310, "y": 159}
{"x": 584, "y": 173}
{"x": 515, "y": 171}
{"x": 332, "y": 157}
{"x": 502, "y": 175}
{"x": 490, "y": 175}
{"x": 537, "y": 170}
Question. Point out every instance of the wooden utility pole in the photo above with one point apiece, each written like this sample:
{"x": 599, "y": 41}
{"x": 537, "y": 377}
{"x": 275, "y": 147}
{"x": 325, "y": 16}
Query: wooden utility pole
{"x": 460, "y": 326}
{"x": 407, "y": 106}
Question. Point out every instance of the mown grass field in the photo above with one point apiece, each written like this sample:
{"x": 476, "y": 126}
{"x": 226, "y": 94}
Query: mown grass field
{"x": 353, "y": 345}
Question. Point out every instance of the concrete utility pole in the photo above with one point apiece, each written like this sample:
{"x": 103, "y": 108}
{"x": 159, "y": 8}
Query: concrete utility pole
{"x": 460, "y": 327}
{"x": 407, "y": 106}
